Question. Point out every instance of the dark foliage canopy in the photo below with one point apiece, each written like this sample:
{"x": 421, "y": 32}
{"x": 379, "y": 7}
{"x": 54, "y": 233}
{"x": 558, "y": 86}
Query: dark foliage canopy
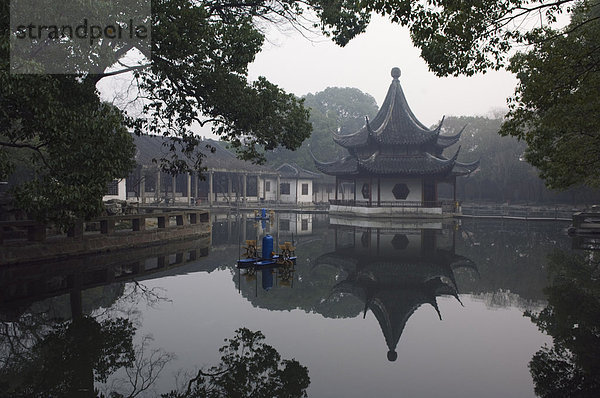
{"x": 556, "y": 107}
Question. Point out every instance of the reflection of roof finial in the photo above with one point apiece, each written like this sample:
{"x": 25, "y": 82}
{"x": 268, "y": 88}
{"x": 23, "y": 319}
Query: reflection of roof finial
{"x": 395, "y": 72}
{"x": 392, "y": 355}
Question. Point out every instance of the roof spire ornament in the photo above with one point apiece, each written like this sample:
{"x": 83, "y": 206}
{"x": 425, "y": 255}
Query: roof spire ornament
{"x": 396, "y": 72}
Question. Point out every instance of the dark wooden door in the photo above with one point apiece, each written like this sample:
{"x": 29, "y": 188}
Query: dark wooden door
{"x": 429, "y": 193}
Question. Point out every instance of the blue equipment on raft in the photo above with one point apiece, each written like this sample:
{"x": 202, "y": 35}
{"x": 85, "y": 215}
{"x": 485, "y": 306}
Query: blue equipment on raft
{"x": 267, "y": 279}
{"x": 267, "y": 247}
{"x": 268, "y": 258}
{"x": 262, "y": 215}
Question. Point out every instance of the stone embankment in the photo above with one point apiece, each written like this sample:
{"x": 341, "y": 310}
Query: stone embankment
{"x": 26, "y": 241}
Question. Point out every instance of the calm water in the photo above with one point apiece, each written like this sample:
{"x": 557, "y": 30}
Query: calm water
{"x": 385, "y": 310}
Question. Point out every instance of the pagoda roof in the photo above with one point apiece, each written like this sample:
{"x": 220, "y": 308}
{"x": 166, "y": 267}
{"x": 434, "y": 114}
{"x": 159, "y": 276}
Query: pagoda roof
{"x": 344, "y": 166}
{"x": 398, "y": 272}
{"x": 438, "y": 263}
{"x": 445, "y": 141}
{"x": 422, "y": 164}
{"x": 463, "y": 169}
{"x": 395, "y": 124}
{"x": 396, "y": 143}
{"x": 394, "y": 284}
{"x": 419, "y": 164}
{"x": 394, "y": 289}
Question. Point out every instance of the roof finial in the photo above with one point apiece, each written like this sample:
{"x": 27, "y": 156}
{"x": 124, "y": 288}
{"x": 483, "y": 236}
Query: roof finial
{"x": 395, "y": 72}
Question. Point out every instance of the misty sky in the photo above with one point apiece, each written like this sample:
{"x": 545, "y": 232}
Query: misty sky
{"x": 301, "y": 66}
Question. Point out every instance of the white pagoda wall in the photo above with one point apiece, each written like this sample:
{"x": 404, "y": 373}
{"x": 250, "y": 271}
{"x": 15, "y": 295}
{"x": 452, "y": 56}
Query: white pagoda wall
{"x": 415, "y": 188}
{"x": 387, "y": 185}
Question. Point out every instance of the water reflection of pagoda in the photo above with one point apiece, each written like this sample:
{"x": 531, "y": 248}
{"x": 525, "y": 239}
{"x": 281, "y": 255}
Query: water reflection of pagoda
{"x": 395, "y": 271}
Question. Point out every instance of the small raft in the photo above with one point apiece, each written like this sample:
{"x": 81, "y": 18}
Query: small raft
{"x": 263, "y": 214}
{"x": 268, "y": 259}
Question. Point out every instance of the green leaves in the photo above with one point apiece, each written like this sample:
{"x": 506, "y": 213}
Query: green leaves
{"x": 89, "y": 148}
{"x": 334, "y": 109}
{"x": 248, "y": 368}
{"x": 55, "y": 129}
{"x": 200, "y": 57}
{"x": 556, "y": 107}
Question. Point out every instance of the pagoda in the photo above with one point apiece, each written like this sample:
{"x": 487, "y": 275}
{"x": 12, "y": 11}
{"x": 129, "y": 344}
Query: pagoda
{"x": 394, "y": 164}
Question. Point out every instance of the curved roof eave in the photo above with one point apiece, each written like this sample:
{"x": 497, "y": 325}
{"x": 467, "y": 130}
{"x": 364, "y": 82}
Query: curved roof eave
{"x": 445, "y": 141}
{"x": 345, "y": 166}
{"x": 462, "y": 169}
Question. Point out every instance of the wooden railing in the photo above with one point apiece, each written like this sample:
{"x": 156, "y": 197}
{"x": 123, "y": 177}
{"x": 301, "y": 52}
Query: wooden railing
{"x": 519, "y": 212}
{"x": 107, "y": 225}
{"x": 587, "y": 221}
{"x": 445, "y": 205}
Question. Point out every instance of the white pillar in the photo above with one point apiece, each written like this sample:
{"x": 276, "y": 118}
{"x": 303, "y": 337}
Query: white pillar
{"x": 189, "y": 189}
{"x": 244, "y": 184}
{"x": 278, "y": 188}
{"x": 174, "y": 186}
{"x": 142, "y": 188}
{"x": 196, "y": 180}
{"x": 229, "y": 189}
{"x": 157, "y": 186}
{"x": 210, "y": 188}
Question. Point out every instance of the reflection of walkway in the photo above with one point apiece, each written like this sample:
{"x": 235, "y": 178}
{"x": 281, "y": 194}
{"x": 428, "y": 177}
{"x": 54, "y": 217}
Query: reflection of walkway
{"x": 26, "y": 283}
{"x": 514, "y": 212}
{"x": 394, "y": 272}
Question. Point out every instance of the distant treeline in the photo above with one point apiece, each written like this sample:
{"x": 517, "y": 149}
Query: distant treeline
{"x": 503, "y": 175}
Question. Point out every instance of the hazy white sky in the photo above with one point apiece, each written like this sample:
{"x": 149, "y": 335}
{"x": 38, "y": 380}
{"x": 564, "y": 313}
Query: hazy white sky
{"x": 302, "y": 66}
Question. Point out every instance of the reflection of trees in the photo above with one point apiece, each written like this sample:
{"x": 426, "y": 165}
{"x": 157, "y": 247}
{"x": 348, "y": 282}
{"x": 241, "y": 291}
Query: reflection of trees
{"x": 571, "y": 367}
{"x": 510, "y": 256}
{"x": 72, "y": 355}
{"x": 248, "y": 368}
{"x": 41, "y": 357}
{"x": 69, "y": 358}
{"x": 42, "y": 354}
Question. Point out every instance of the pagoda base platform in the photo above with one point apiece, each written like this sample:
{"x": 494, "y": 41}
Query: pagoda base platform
{"x": 392, "y": 211}
{"x": 406, "y": 223}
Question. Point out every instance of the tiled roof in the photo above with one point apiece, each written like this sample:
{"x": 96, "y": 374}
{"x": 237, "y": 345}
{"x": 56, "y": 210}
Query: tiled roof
{"x": 378, "y": 164}
{"x": 445, "y": 141}
{"x": 346, "y": 166}
{"x": 463, "y": 169}
{"x": 150, "y": 147}
{"x": 423, "y": 164}
{"x": 396, "y": 143}
{"x": 394, "y": 124}
{"x": 288, "y": 170}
